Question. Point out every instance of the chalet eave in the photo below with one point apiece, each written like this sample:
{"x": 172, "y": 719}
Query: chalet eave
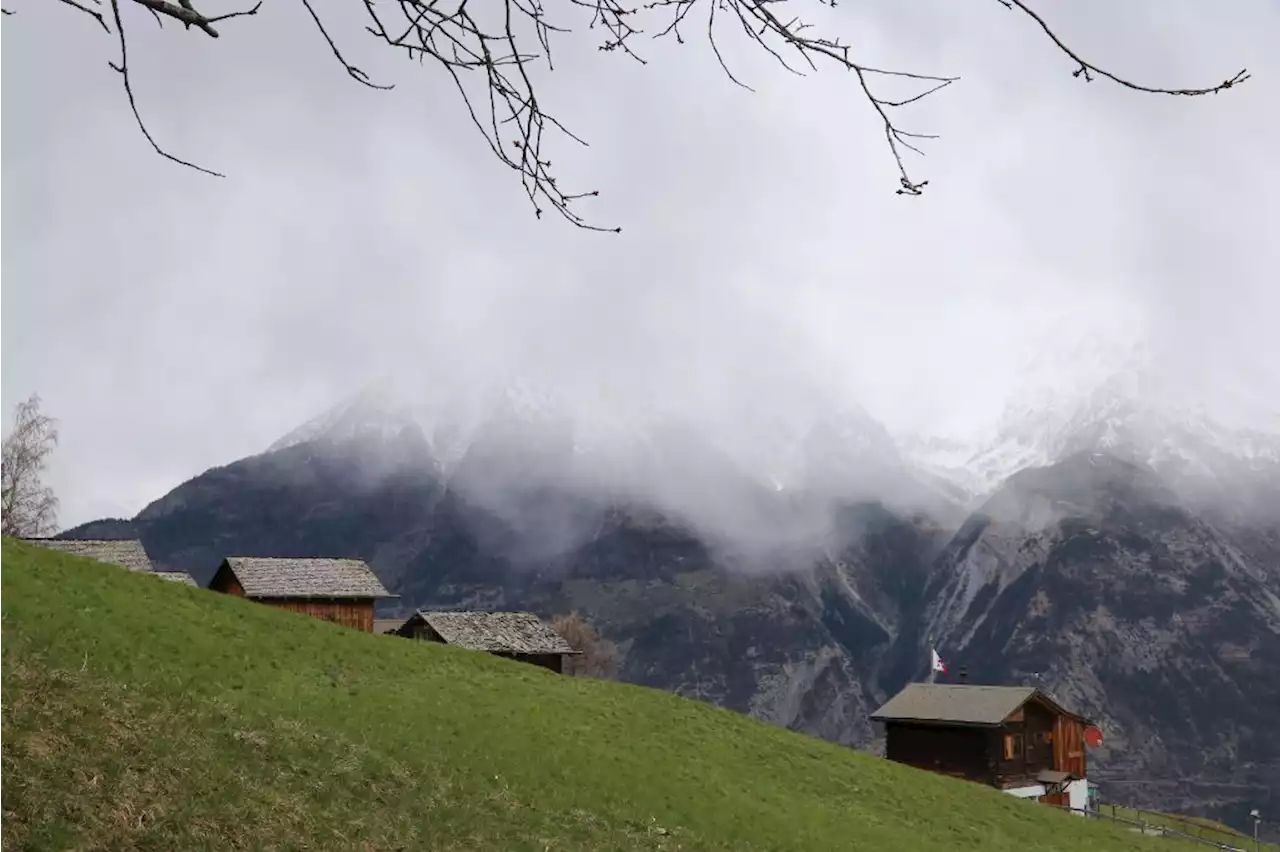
{"x": 938, "y": 723}
{"x": 952, "y": 723}
{"x": 316, "y": 596}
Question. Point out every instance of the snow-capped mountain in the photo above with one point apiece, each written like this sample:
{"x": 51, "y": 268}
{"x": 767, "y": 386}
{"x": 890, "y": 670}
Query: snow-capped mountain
{"x": 381, "y": 411}
{"x": 373, "y": 413}
{"x": 1203, "y": 436}
{"x": 1194, "y": 432}
{"x": 716, "y": 543}
{"x": 804, "y": 442}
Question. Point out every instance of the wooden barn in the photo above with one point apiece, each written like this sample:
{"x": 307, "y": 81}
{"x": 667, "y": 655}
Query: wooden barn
{"x": 1014, "y": 738}
{"x": 515, "y": 635}
{"x": 126, "y": 553}
{"x": 339, "y": 590}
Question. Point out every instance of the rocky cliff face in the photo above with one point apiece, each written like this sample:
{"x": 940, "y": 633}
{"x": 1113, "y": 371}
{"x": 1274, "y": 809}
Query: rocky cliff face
{"x": 1093, "y": 579}
{"x": 1090, "y": 576}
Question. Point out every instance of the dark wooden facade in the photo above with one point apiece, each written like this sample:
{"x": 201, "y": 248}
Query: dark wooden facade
{"x": 551, "y": 662}
{"x": 1035, "y": 739}
{"x": 356, "y": 613}
{"x": 1036, "y": 743}
{"x": 416, "y": 628}
{"x": 955, "y": 751}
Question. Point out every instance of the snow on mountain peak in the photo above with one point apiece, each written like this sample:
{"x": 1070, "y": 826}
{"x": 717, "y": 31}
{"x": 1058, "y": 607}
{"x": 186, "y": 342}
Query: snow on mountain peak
{"x": 1109, "y": 395}
{"x": 374, "y": 412}
{"x": 1117, "y": 397}
{"x": 788, "y": 444}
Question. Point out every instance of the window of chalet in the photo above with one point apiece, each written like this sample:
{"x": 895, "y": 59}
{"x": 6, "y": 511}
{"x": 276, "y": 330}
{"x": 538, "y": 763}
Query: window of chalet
{"x": 1012, "y": 746}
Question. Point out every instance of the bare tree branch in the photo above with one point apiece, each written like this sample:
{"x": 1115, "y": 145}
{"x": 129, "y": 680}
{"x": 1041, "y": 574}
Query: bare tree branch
{"x": 93, "y": 13}
{"x": 27, "y": 507}
{"x": 184, "y": 12}
{"x": 489, "y": 48}
{"x": 356, "y": 74}
{"x": 1088, "y": 69}
{"x": 123, "y": 69}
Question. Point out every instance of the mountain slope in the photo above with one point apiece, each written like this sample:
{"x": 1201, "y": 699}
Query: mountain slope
{"x": 190, "y": 720}
{"x": 813, "y": 610}
{"x": 1092, "y": 578}
{"x": 799, "y": 647}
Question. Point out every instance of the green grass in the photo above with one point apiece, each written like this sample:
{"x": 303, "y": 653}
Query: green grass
{"x": 1181, "y": 823}
{"x": 1201, "y": 827}
{"x": 139, "y": 714}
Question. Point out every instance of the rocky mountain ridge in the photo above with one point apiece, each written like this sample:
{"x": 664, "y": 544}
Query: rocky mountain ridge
{"x": 1099, "y": 574}
{"x": 1093, "y": 578}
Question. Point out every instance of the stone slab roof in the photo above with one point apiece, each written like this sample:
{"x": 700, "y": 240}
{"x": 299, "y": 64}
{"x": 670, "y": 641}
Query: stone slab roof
{"x": 501, "y": 632}
{"x": 127, "y": 553}
{"x": 262, "y": 577}
{"x": 178, "y": 577}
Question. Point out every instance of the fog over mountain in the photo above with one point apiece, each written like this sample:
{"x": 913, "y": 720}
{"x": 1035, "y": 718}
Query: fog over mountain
{"x": 780, "y": 436}
{"x": 768, "y": 480}
{"x": 767, "y": 292}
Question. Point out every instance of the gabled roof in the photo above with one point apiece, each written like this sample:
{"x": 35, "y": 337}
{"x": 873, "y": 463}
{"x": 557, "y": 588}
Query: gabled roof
{"x": 501, "y": 632}
{"x": 961, "y": 704}
{"x": 127, "y": 553}
{"x": 178, "y": 577}
{"x": 262, "y": 577}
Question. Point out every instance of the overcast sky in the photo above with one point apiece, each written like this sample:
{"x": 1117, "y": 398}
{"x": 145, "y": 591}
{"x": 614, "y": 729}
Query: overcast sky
{"x": 173, "y": 321}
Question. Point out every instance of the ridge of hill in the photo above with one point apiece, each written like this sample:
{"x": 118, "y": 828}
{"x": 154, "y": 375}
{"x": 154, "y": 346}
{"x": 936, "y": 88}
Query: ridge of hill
{"x": 150, "y": 715}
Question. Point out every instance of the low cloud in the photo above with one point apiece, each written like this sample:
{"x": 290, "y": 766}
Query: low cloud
{"x": 768, "y": 283}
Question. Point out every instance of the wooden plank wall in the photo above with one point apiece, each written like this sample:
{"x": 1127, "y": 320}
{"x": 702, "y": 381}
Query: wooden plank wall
{"x": 1068, "y": 746}
{"x": 356, "y": 614}
{"x": 961, "y": 752}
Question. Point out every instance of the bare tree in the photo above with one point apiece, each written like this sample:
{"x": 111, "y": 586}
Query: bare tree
{"x": 28, "y": 508}
{"x": 489, "y": 49}
{"x": 598, "y": 657}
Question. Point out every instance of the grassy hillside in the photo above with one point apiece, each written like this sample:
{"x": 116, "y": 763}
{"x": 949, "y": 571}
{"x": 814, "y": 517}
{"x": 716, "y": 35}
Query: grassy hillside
{"x": 1207, "y": 829}
{"x": 148, "y": 715}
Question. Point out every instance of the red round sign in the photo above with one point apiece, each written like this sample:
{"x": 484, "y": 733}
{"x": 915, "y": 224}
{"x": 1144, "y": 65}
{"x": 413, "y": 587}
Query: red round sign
{"x": 1092, "y": 737}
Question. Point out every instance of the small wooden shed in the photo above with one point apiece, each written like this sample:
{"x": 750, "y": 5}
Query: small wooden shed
{"x": 1014, "y": 738}
{"x": 126, "y": 553}
{"x": 339, "y": 590}
{"x": 515, "y": 635}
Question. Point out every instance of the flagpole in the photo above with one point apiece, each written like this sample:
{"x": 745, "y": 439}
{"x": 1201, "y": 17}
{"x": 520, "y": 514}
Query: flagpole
{"x": 935, "y": 663}
{"x": 933, "y": 673}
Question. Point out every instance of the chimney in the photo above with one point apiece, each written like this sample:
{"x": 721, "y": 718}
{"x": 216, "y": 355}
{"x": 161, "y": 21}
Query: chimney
{"x": 963, "y": 675}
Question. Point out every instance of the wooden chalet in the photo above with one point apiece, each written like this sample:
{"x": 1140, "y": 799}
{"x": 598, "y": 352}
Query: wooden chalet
{"x": 515, "y": 635}
{"x": 339, "y": 590}
{"x": 126, "y": 553}
{"x": 1014, "y": 738}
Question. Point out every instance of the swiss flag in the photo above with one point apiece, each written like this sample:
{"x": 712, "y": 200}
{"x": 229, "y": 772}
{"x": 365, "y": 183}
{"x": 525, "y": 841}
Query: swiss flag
{"x": 936, "y": 663}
